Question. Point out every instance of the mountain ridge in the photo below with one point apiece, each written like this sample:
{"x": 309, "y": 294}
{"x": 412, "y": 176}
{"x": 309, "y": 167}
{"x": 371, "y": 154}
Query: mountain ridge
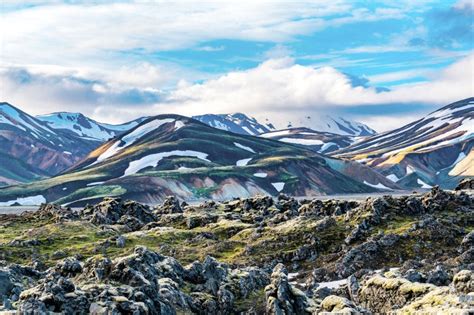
{"x": 172, "y": 154}
{"x": 425, "y": 152}
{"x": 35, "y": 148}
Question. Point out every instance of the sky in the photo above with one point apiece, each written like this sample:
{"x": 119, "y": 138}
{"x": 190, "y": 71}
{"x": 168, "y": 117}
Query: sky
{"x": 384, "y": 63}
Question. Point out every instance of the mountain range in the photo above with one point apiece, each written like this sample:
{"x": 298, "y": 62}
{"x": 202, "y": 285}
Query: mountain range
{"x": 70, "y": 158}
{"x": 333, "y": 124}
{"x": 435, "y": 150}
{"x": 30, "y": 149}
{"x": 85, "y": 127}
{"x": 175, "y": 155}
{"x": 46, "y": 145}
{"x": 321, "y": 142}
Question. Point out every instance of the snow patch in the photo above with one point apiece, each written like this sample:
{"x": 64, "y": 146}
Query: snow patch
{"x": 327, "y": 146}
{"x": 278, "y": 186}
{"x": 143, "y": 130}
{"x": 19, "y": 122}
{"x": 409, "y": 170}
{"x": 244, "y": 147}
{"x": 379, "y": 185}
{"x": 154, "y": 159}
{"x": 332, "y": 284}
{"x": 95, "y": 183}
{"x": 80, "y": 125}
{"x": 178, "y": 124}
{"x": 460, "y": 157}
{"x": 302, "y": 141}
{"x": 393, "y": 178}
{"x": 248, "y": 130}
{"x": 275, "y": 134}
{"x": 131, "y": 137}
{"x": 423, "y": 184}
{"x": 243, "y": 162}
{"x": 261, "y": 175}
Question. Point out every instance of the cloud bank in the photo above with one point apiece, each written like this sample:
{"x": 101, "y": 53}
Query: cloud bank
{"x": 278, "y": 89}
{"x": 117, "y": 61}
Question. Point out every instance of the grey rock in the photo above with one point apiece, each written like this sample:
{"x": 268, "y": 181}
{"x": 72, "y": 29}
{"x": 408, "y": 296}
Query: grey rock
{"x": 439, "y": 276}
{"x": 120, "y": 241}
{"x": 282, "y": 298}
{"x": 169, "y": 206}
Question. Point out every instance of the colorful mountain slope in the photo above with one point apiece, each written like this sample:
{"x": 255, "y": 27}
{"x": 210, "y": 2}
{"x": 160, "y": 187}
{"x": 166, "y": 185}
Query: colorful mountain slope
{"x": 175, "y": 155}
{"x": 435, "y": 150}
{"x": 86, "y": 127}
{"x": 321, "y": 142}
{"x": 40, "y": 149}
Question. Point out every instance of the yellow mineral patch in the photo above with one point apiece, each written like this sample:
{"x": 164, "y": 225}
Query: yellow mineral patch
{"x": 465, "y": 167}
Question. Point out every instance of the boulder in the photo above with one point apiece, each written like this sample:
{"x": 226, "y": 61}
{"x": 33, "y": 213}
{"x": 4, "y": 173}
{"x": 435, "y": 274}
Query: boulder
{"x": 340, "y": 305}
{"x": 463, "y": 281}
{"x": 115, "y": 211}
{"x": 169, "y": 206}
{"x": 283, "y": 298}
{"x": 465, "y": 184}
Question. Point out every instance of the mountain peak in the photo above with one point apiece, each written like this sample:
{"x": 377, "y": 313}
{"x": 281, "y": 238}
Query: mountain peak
{"x": 237, "y": 123}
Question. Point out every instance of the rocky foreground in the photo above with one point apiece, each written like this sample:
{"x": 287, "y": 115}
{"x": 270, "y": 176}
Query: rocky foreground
{"x": 248, "y": 256}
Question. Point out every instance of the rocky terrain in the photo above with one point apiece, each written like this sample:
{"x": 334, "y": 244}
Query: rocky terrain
{"x": 257, "y": 255}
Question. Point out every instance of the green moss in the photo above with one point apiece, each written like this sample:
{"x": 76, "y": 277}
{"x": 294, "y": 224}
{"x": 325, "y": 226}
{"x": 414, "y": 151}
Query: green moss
{"x": 93, "y": 192}
{"x": 255, "y": 300}
{"x": 71, "y": 237}
{"x": 398, "y": 225}
{"x": 204, "y": 192}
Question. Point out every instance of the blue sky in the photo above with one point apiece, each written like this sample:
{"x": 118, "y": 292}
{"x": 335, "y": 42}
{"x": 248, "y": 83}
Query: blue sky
{"x": 381, "y": 62}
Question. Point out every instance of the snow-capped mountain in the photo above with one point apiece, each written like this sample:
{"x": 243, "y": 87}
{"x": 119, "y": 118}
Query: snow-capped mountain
{"x": 31, "y": 148}
{"x": 236, "y": 123}
{"x": 86, "y": 127}
{"x": 435, "y": 150}
{"x": 321, "y": 142}
{"x": 175, "y": 155}
{"x": 337, "y": 125}
{"x": 242, "y": 124}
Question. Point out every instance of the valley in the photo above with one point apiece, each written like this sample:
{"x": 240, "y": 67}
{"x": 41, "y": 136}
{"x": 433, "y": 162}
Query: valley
{"x": 150, "y": 158}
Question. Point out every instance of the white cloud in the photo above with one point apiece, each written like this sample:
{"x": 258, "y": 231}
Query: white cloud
{"x": 90, "y": 30}
{"x": 281, "y": 90}
{"x": 400, "y": 75}
{"x": 277, "y": 89}
{"x": 92, "y": 34}
{"x": 210, "y": 48}
{"x": 40, "y": 93}
{"x": 464, "y": 5}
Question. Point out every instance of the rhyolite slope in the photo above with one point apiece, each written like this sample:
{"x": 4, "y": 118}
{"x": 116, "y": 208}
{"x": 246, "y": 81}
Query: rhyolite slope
{"x": 175, "y": 155}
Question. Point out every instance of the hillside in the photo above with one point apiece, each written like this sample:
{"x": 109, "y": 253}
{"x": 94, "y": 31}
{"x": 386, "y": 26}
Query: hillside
{"x": 333, "y": 124}
{"x": 174, "y": 155}
{"x": 242, "y": 124}
{"x": 86, "y": 127}
{"x": 435, "y": 150}
{"x": 321, "y": 142}
{"x": 236, "y": 123}
{"x": 31, "y": 149}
